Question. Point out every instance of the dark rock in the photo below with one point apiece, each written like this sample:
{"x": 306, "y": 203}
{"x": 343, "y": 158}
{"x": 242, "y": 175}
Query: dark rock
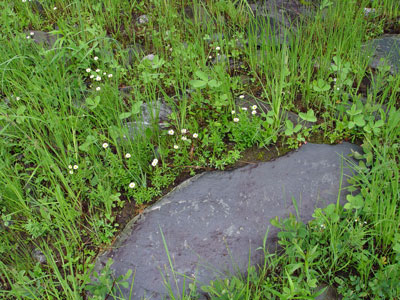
{"x": 385, "y": 49}
{"x": 329, "y": 294}
{"x": 213, "y": 220}
{"x": 39, "y": 7}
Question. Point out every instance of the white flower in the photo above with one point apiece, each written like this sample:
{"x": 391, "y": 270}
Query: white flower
{"x": 176, "y": 147}
{"x": 235, "y": 120}
{"x": 217, "y": 48}
{"x": 98, "y": 78}
{"x": 233, "y": 112}
{"x": 110, "y": 75}
{"x": 210, "y": 57}
{"x": 253, "y": 112}
{"x": 17, "y": 98}
{"x": 98, "y": 70}
{"x": 23, "y": 1}
{"x": 71, "y": 172}
{"x": 88, "y": 70}
{"x": 95, "y": 58}
{"x": 183, "y": 131}
{"x": 132, "y": 185}
{"x": 254, "y": 107}
{"x": 128, "y": 155}
{"x": 171, "y": 132}
{"x": 241, "y": 96}
{"x": 32, "y": 33}
{"x": 244, "y": 108}
{"x": 154, "y": 162}
{"x": 105, "y": 145}
{"x": 69, "y": 166}
{"x": 98, "y": 88}
{"x": 54, "y": 8}
{"x": 184, "y": 138}
{"x": 76, "y": 167}
{"x": 28, "y": 37}
{"x": 195, "y": 135}
{"x": 104, "y": 73}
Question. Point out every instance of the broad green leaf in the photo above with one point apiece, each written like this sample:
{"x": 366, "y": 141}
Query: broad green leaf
{"x": 198, "y": 84}
{"x": 359, "y": 120}
{"x": 309, "y": 116}
{"x": 93, "y": 103}
{"x": 203, "y": 76}
{"x": 124, "y": 115}
{"x": 21, "y": 109}
{"x": 136, "y": 107}
{"x": 214, "y": 84}
{"x": 90, "y": 139}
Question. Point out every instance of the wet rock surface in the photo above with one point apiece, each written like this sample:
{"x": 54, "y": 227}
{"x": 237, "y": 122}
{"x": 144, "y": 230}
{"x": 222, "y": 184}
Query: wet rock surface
{"x": 213, "y": 220}
{"x": 385, "y": 49}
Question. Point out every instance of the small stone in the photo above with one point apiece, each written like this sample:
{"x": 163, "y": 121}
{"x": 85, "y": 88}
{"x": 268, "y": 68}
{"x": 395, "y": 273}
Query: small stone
{"x": 149, "y": 57}
{"x": 143, "y": 19}
{"x": 38, "y": 255}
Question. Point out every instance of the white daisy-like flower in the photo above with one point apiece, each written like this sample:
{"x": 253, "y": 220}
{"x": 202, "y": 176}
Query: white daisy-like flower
{"x": 98, "y": 70}
{"x": 95, "y": 58}
{"x": 17, "y": 98}
{"x": 171, "y": 132}
{"x": 233, "y": 112}
{"x": 76, "y": 167}
{"x": 184, "y": 138}
{"x": 241, "y": 96}
{"x": 253, "y": 112}
{"x": 104, "y": 73}
{"x": 254, "y": 107}
{"x": 154, "y": 162}
{"x": 70, "y": 167}
{"x": 183, "y": 131}
{"x": 132, "y": 185}
{"x": 210, "y": 57}
{"x": 176, "y": 147}
{"x": 98, "y": 78}
{"x": 195, "y": 135}
{"x": 88, "y": 70}
{"x": 28, "y": 37}
{"x": 244, "y": 108}
{"x": 235, "y": 120}
{"x": 128, "y": 155}
{"x": 91, "y": 76}
{"x": 71, "y": 172}
{"x": 110, "y": 75}
{"x": 217, "y": 48}
{"x": 23, "y": 1}
{"x": 32, "y": 33}
{"x": 105, "y": 145}
{"x": 98, "y": 88}
{"x": 55, "y": 8}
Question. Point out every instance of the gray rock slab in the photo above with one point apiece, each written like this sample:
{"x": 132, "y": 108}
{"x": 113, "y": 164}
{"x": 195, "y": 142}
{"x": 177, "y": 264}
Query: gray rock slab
{"x": 46, "y": 39}
{"x": 214, "y": 222}
{"x": 386, "y": 49}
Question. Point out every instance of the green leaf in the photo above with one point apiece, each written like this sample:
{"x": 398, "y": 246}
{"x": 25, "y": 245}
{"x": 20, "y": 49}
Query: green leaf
{"x": 90, "y": 139}
{"x": 198, "y": 84}
{"x": 21, "y": 109}
{"x": 214, "y": 84}
{"x": 309, "y": 116}
{"x": 203, "y": 76}
{"x": 359, "y": 120}
{"x": 92, "y": 103}
{"x": 124, "y": 115}
{"x": 289, "y": 127}
{"x": 321, "y": 85}
{"x": 136, "y": 107}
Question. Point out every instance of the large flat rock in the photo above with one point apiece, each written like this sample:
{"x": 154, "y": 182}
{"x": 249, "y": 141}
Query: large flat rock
{"x": 216, "y": 218}
{"x": 386, "y": 50}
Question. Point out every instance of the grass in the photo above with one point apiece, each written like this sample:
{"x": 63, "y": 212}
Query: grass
{"x": 54, "y": 116}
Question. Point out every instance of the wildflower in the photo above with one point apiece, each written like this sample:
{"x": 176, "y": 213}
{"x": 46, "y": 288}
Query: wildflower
{"x": 171, "y": 132}
{"x": 235, "y": 120}
{"x": 98, "y": 70}
{"x": 23, "y": 1}
{"x": 91, "y": 76}
{"x": 176, "y": 147}
{"x": 183, "y": 131}
{"x": 32, "y": 33}
{"x": 132, "y": 185}
{"x": 95, "y": 58}
{"x": 98, "y": 88}
{"x": 104, "y": 73}
{"x": 28, "y": 37}
{"x": 244, "y": 108}
{"x": 254, "y": 107}
{"x": 210, "y": 57}
{"x": 69, "y": 166}
{"x": 98, "y": 78}
{"x": 322, "y": 226}
{"x": 195, "y": 135}
{"x": 88, "y": 70}
{"x": 76, "y": 167}
{"x": 217, "y": 48}
{"x": 71, "y": 172}
{"x": 154, "y": 162}
{"x": 17, "y": 98}
{"x": 128, "y": 155}
{"x": 233, "y": 112}
{"x": 253, "y": 112}
{"x": 105, "y": 145}
{"x": 110, "y": 75}
{"x": 54, "y": 8}
{"x": 241, "y": 96}
{"x": 184, "y": 138}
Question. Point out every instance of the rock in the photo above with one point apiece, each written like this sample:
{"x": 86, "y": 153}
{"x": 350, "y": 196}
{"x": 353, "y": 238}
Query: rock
{"x": 149, "y": 57}
{"x": 38, "y": 255}
{"x": 216, "y": 218}
{"x": 329, "y": 294}
{"x": 143, "y": 19}
{"x": 39, "y": 7}
{"x": 45, "y": 39}
{"x": 385, "y": 49}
